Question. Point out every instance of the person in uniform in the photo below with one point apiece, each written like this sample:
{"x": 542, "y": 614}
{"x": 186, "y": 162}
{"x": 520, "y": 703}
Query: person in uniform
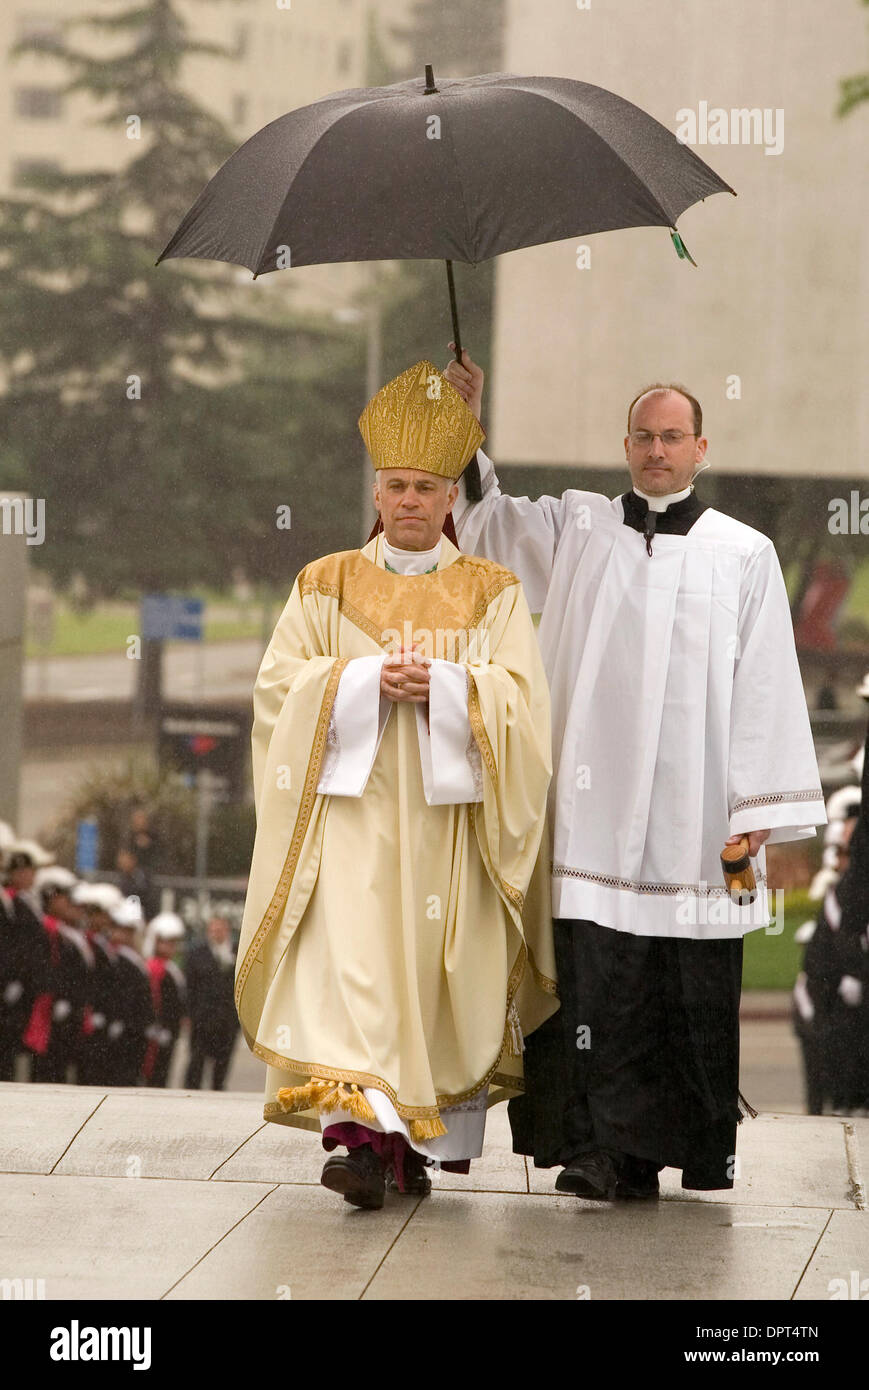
{"x": 165, "y": 935}
{"x": 852, "y": 897}
{"x": 210, "y": 974}
{"x": 71, "y": 969}
{"x": 25, "y": 958}
{"x": 134, "y": 1008}
{"x": 828, "y": 992}
{"x": 94, "y": 1051}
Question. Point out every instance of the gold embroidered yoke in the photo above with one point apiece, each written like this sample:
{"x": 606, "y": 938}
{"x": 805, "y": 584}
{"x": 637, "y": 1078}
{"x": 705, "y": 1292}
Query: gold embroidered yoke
{"x": 388, "y": 943}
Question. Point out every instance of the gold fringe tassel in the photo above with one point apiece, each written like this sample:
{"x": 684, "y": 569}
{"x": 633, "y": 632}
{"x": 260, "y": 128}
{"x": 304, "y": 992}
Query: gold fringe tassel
{"x": 292, "y": 1098}
{"x": 427, "y": 1129}
{"x": 326, "y": 1096}
{"x": 515, "y": 1040}
{"x": 346, "y": 1096}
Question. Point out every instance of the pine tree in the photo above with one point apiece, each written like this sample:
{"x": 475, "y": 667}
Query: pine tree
{"x": 163, "y": 413}
{"x": 853, "y": 91}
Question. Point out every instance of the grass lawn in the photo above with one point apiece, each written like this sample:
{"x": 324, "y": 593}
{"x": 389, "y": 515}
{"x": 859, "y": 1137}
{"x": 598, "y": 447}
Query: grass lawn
{"x": 108, "y": 625}
{"x": 773, "y": 962}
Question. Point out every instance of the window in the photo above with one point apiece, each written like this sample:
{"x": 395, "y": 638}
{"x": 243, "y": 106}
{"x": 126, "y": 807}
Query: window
{"x": 23, "y": 168}
{"x": 39, "y": 26}
{"x": 39, "y": 103}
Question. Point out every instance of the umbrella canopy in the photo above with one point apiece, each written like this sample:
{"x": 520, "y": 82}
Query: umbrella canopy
{"x": 462, "y": 171}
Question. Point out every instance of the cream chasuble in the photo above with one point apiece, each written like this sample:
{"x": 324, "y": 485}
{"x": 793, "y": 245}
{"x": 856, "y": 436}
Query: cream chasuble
{"x": 394, "y": 941}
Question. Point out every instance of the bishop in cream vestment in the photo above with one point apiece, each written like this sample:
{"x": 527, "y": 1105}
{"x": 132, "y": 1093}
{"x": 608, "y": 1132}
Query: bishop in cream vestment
{"x": 394, "y": 946}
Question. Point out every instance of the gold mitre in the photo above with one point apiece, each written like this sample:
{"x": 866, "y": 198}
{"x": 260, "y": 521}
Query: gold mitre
{"x": 420, "y": 421}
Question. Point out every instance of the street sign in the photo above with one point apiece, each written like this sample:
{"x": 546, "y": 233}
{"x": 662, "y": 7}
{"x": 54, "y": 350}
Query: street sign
{"x": 197, "y": 739}
{"x": 167, "y": 618}
{"x": 87, "y": 847}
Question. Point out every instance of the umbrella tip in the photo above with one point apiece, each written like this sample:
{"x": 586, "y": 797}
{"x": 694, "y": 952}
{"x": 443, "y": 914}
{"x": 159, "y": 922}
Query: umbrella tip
{"x": 429, "y": 80}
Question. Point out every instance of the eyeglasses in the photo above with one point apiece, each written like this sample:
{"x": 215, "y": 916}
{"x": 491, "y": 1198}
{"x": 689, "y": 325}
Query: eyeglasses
{"x": 669, "y": 438}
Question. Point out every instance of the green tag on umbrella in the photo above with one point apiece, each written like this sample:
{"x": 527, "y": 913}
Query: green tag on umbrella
{"x": 681, "y": 249}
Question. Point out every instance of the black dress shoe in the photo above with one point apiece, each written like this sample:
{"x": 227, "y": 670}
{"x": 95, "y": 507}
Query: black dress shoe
{"x": 358, "y": 1175}
{"x": 638, "y": 1179}
{"x": 591, "y": 1175}
{"x": 417, "y": 1182}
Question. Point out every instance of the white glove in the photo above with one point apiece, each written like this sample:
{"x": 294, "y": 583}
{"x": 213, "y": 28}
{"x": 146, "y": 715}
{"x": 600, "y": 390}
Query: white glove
{"x": 803, "y": 999}
{"x": 13, "y": 992}
{"x": 165, "y": 1037}
{"x": 62, "y": 1009}
{"x": 98, "y": 1020}
{"x": 850, "y": 990}
{"x": 116, "y": 1028}
{"x": 153, "y": 1032}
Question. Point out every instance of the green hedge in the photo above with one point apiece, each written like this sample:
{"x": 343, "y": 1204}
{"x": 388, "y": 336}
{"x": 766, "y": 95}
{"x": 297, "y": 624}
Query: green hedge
{"x": 773, "y": 961}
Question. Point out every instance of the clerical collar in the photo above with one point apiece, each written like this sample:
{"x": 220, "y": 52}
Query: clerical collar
{"x": 675, "y": 520}
{"x": 410, "y": 561}
{"x": 660, "y": 504}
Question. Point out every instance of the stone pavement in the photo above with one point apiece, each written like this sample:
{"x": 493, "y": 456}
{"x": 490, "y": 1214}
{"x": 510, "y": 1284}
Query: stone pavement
{"x": 140, "y": 1194}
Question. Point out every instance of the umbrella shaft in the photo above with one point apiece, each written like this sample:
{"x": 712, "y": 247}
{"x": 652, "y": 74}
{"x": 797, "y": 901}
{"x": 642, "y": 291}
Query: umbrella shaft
{"x": 451, "y": 285}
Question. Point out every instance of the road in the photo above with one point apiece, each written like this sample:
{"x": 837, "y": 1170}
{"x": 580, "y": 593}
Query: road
{"x": 217, "y": 670}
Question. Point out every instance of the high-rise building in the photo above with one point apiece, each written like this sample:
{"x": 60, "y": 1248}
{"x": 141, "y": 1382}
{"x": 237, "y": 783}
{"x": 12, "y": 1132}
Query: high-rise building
{"x": 771, "y": 331}
{"x": 284, "y": 54}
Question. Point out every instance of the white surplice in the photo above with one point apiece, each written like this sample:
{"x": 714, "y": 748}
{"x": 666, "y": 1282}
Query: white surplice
{"x": 678, "y": 712}
{"x": 452, "y": 774}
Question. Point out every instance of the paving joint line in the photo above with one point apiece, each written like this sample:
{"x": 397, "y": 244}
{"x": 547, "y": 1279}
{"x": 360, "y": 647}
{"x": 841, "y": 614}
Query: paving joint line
{"x": 390, "y": 1248}
{"x": 238, "y": 1149}
{"x": 745, "y": 1200}
{"x": 811, "y": 1255}
{"x": 84, "y": 1122}
{"x": 220, "y": 1239}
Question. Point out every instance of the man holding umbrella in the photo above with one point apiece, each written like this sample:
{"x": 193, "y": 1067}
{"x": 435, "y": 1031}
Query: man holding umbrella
{"x": 679, "y": 723}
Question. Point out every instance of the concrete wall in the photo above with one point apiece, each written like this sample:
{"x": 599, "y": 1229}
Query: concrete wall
{"x": 781, "y": 296}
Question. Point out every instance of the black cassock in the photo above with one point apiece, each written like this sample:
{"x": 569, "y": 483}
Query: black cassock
{"x": 852, "y": 895}
{"x": 213, "y": 1019}
{"x": 642, "y": 1058}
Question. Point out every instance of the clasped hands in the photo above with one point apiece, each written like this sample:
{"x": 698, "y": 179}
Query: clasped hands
{"x": 406, "y": 676}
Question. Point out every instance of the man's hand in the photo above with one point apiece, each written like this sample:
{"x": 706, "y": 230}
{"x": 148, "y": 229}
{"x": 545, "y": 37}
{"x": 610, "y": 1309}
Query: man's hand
{"x": 755, "y": 839}
{"x": 468, "y": 379}
{"x": 406, "y": 676}
{"x": 850, "y": 991}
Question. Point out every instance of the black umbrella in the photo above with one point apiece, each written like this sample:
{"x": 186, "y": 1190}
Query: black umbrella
{"x": 460, "y": 171}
